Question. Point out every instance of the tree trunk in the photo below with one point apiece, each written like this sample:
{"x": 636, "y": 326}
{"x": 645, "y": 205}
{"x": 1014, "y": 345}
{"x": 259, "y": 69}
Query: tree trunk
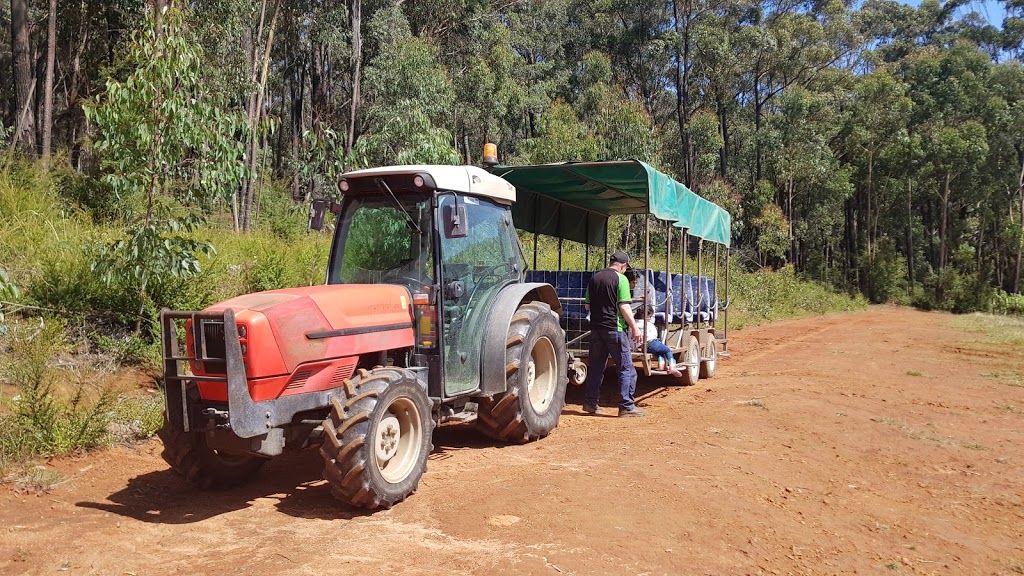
{"x": 255, "y": 115}
{"x": 682, "y": 80}
{"x": 910, "y": 235}
{"x": 319, "y": 83}
{"x": 723, "y": 129}
{"x": 51, "y": 49}
{"x": 943, "y": 216}
{"x": 867, "y": 212}
{"x": 356, "y": 16}
{"x": 24, "y": 85}
{"x": 1020, "y": 244}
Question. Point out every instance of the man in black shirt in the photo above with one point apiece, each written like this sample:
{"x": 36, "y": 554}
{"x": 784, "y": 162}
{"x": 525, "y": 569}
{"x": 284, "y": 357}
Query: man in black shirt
{"x": 609, "y": 299}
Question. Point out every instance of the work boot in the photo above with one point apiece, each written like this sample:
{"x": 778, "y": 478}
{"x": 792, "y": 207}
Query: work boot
{"x": 590, "y": 409}
{"x": 635, "y": 412}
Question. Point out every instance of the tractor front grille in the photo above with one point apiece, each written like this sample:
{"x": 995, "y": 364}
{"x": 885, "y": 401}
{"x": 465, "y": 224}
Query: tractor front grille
{"x": 213, "y": 342}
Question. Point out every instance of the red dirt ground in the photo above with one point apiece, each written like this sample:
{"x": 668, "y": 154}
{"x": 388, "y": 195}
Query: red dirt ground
{"x": 857, "y": 443}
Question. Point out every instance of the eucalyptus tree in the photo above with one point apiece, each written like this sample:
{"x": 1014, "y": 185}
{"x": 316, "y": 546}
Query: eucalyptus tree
{"x": 168, "y": 146}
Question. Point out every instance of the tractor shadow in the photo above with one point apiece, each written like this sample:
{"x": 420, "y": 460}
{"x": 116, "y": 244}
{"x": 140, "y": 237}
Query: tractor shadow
{"x": 647, "y": 387}
{"x": 291, "y": 481}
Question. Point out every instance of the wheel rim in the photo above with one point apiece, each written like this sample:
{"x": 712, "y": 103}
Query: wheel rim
{"x": 579, "y": 374}
{"x": 397, "y": 439}
{"x": 541, "y": 374}
{"x": 712, "y": 354}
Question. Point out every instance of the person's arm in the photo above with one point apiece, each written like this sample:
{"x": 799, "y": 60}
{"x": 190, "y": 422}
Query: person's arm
{"x": 625, "y": 298}
{"x": 586, "y": 300}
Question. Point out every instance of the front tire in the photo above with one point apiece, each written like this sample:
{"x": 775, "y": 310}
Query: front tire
{"x": 536, "y": 367}
{"x": 202, "y": 466}
{"x": 377, "y": 438}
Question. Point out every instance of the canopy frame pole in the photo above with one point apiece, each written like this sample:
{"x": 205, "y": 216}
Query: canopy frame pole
{"x": 668, "y": 274}
{"x": 536, "y": 201}
{"x": 534, "y": 250}
{"x": 684, "y": 242}
{"x": 559, "y": 225}
{"x": 725, "y": 345}
{"x": 647, "y": 268}
{"x": 715, "y": 294}
{"x": 586, "y": 245}
{"x": 700, "y": 294}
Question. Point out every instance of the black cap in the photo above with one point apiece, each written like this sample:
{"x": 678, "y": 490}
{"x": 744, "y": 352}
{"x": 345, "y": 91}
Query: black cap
{"x": 620, "y": 257}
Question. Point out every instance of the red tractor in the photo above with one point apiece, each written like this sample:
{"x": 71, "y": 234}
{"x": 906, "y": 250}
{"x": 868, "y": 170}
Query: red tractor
{"x": 424, "y": 318}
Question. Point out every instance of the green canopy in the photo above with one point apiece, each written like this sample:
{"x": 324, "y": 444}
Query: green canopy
{"x": 573, "y": 200}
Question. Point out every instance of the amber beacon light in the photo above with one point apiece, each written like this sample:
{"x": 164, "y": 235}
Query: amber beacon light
{"x": 490, "y": 154}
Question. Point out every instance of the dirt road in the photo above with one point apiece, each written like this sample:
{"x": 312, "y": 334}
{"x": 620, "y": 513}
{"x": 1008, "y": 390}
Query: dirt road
{"x": 859, "y": 443}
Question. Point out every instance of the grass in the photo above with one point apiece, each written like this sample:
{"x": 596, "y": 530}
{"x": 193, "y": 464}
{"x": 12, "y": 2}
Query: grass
{"x": 764, "y": 296}
{"x": 1009, "y": 377}
{"x": 914, "y": 373}
{"x": 993, "y": 329}
{"x": 755, "y": 402}
{"x": 910, "y": 431}
{"x": 31, "y": 479}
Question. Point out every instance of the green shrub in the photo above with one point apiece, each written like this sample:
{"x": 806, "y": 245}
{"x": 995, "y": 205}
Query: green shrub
{"x": 135, "y": 417}
{"x": 89, "y": 192}
{"x": 48, "y": 422}
{"x": 765, "y": 296}
{"x": 280, "y": 216}
{"x": 132, "y": 349}
{"x": 1010, "y": 304}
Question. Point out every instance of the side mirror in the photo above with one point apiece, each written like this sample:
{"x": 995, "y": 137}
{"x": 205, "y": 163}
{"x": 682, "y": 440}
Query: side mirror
{"x": 456, "y": 224}
{"x": 317, "y": 211}
{"x": 454, "y": 290}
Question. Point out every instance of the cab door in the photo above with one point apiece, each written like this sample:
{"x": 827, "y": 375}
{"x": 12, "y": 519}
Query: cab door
{"x": 478, "y": 258}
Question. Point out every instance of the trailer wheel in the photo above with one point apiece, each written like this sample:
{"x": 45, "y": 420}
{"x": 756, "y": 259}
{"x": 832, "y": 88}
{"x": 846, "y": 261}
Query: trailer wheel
{"x": 691, "y": 355}
{"x": 578, "y": 373}
{"x": 377, "y": 438}
{"x": 535, "y": 372}
{"x": 707, "y": 365}
{"x": 202, "y": 466}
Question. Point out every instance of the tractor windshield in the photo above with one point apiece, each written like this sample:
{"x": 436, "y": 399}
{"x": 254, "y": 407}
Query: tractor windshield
{"x": 378, "y": 244}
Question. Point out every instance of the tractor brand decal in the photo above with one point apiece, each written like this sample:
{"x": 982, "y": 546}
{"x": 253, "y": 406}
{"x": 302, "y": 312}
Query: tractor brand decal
{"x": 405, "y": 303}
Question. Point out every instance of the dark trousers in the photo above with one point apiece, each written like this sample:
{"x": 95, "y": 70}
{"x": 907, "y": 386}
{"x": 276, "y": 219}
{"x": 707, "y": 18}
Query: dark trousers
{"x": 602, "y": 345}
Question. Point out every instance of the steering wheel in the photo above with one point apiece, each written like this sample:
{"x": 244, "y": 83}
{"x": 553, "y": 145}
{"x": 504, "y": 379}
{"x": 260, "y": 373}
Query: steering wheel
{"x": 476, "y": 279}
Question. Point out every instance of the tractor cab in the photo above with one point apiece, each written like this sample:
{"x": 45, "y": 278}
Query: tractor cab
{"x": 446, "y": 234}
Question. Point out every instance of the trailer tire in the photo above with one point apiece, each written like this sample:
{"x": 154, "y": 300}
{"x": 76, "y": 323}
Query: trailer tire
{"x": 202, "y": 466}
{"x": 578, "y": 373}
{"x": 377, "y": 438}
{"x": 536, "y": 368}
{"x": 708, "y": 364}
{"x": 691, "y": 354}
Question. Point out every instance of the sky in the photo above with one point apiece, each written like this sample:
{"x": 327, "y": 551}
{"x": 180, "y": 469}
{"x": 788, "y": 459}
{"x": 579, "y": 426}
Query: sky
{"x": 992, "y": 10}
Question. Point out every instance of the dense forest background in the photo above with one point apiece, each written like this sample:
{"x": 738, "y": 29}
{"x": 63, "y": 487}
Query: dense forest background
{"x": 873, "y": 146}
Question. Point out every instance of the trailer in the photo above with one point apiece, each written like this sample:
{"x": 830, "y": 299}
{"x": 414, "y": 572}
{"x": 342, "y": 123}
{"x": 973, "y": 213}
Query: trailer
{"x": 573, "y": 201}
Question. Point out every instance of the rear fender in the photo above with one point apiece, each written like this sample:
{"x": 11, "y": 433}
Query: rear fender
{"x": 492, "y": 358}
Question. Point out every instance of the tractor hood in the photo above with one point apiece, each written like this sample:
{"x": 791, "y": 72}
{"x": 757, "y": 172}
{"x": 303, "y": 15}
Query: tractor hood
{"x": 281, "y": 329}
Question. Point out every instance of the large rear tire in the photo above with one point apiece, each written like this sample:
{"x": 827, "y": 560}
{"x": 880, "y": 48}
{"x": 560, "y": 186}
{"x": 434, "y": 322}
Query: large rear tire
{"x": 377, "y": 438}
{"x": 202, "y": 466}
{"x": 536, "y": 368}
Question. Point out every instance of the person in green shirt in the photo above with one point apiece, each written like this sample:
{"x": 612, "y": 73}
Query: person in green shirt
{"x": 608, "y": 300}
